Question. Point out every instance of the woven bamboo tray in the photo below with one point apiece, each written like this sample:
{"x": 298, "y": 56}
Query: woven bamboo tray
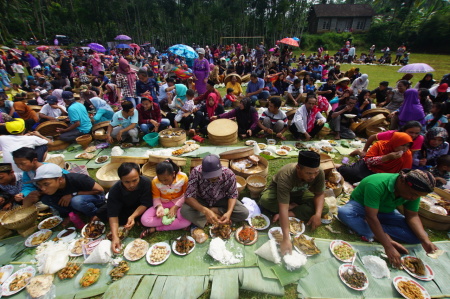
{"x": 245, "y": 78}
{"x": 121, "y": 159}
{"x": 174, "y": 140}
{"x": 377, "y": 119}
{"x": 57, "y": 160}
{"x": 255, "y": 192}
{"x": 241, "y": 181}
{"x": 102, "y": 125}
{"x": 324, "y": 132}
{"x": 84, "y": 140}
{"x": 149, "y": 170}
{"x": 262, "y": 168}
{"x": 374, "y": 130}
{"x": 375, "y": 111}
{"x": 20, "y": 218}
{"x": 48, "y": 128}
{"x": 58, "y": 145}
{"x": 224, "y": 141}
{"x": 222, "y": 128}
{"x": 36, "y": 108}
{"x": 198, "y": 161}
{"x": 237, "y": 153}
{"x": 157, "y": 159}
{"x": 228, "y": 78}
{"x": 107, "y": 175}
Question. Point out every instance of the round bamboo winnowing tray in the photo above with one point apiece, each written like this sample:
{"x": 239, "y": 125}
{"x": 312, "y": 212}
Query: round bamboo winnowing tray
{"x": 20, "y": 218}
{"x": 157, "y": 159}
{"x": 58, "y": 145}
{"x": 149, "y": 170}
{"x": 57, "y": 160}
{"x": 377, "y": 119}
{"x": 245, "y": 78}
{"x": 375, "y": 111}
{"x": 223, "y": 141}
{"x": 107, "y": 175}
{"x": 222, "y": 132}
{"x": 262, "y": 168}
{"x": 228, "y": 78}
{"x": 101, "y": 125}
{"x": 48, "y": 128}
{"x": 198, "y": 161}
{"x": 237, "y": 153}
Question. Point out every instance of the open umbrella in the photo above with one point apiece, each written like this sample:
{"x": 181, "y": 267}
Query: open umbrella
{"x": 290, "y": 42}
{"x": 272, "y": 50}
{"x": 122, "y": 37}
{"x": 17, "y": 51}
{"x": 42, "y": 48}
{"x": 5, "y": 48}
{"x": 296, "y": 39}
{"x": 96, "y": 47}
{"x": 416, "y": 68}
{"x": 123, "y": 46}
{"x": 183, "y": 51}
{"x": 136, "y": 46}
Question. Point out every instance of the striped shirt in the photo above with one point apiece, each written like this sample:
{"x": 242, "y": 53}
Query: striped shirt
{"x": 274, "y": 117}
{"x": 170, "y": 193}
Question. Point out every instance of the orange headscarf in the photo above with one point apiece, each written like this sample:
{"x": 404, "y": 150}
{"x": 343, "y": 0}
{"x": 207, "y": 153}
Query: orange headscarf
{"x": 25, "y": 112}
{"x": 384, "y": 147}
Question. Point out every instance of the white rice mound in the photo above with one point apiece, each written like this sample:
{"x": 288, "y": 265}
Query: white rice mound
{"x": 219, "y": 252}
{"x": 376, "y": 266}
{"x": 294, "y": 260}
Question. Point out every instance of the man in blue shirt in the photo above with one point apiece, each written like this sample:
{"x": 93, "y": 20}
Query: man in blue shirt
{"x": 146, "y": 86}
{"x": 123, "y": 124}
{"x": 255, "y": 89}
{"x": 80, "y": 123}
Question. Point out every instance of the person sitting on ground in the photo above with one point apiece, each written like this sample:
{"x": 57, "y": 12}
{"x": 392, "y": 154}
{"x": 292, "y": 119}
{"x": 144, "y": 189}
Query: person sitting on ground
{"x": 150, "y": 118}
{"x": 185, "y": 110}
{"x": 396, "y": 97}
{"x": 307, "y": 121}
{"x": 7, "y": 106}
{"x": 359, "y": 84}
{"x": 15, "y": 90}
{"x": 103, "y": 111}
{"x": 291, "y": 77}
{"x": 411, "y": 109}
{"x": 30, "y": 116}
{"x": 246, "y": 118}
{"x": 146, "y": 86}
{"x": 212, "y": 196}
{"x": 51, "y": 110}
{"x": 294, "y": 92}
{"x": 340, "y": 123}
{"x": 310, "y": 86}
{"x": 437, "y": 117}
{"x": 128, "y": 199}
{"x": 255, "y": 89}
{"x": 412, "y": 128}
{"x": 273, "y": 120}
{"x": 230, "y": 98}
{"x": 10, "y": 185}
{"x": 168, "y": 189}
{"x": 425, "y": 101}
{"x": 363, "y": 104}
{"x": 434, "y": 146}
{"x": 68, "y": 193}
{"x": 441, "y": 171}
{"x": 327, "y": 90}
{"x": 386, "y": 156}
{"x": 236, "y": 86}
{"x": 372, "y": 211}
{"x": 297, "y": 190}
{"x": 17, "y": 139}
{"x": 204, "y": 115}
{"x": 80, "y": 123}
{"x": 381, "y": 92}
{"x": 342, "y": 85}
{"x": 124, "y": 124}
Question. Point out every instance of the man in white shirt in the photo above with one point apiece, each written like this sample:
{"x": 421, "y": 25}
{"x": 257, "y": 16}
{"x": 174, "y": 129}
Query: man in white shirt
{"x": 294, "y": 92}
{"x": 351, "y": 54}
{"x": 51, "y": 110}
{"x": 291, "y": 77}
{"x": 302, "y": 126}
{"x": 165, "y": 95}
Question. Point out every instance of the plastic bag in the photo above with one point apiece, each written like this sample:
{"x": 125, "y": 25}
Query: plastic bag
{"x": 335, "y": 177}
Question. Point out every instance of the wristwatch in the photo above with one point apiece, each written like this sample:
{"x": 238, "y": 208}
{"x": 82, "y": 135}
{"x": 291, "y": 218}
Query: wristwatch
{"x": 74, "y": 194}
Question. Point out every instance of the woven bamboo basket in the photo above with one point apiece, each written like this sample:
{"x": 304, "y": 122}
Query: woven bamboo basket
{"x": 232, "y": 139}
{"x": 107, "y": 175}
{"x": 36, "y": 108}
{"x": 255, "y": 191}
{"x": 373, "y": 130}
{"x": 245, "y": 78}
{"x": 354, "y": 125}
{"x": 57, "y": 160}
{"x": 324, "y": 132}
{"x": 174, "y": 140}
{"x": 375, "y": 111}
{"x": 58, "y": 145}
{"x": 121, "y": 159}
{"x": 222, "y": 132}
{"x": 20, "y": 218}
{"x": 48, "y": 128}
{"x": 237, "y": 153}
{"x": 262, "y": 168}
{"x": 198, "y": 161}
{"x": 157, "y": 159}
{"x": 377, "y": 119}
{"x": 242, "y": 182}
{"x": 4, "y": 232}
{"x": 100, "y": 126}
{"x": 228, "y": 78}
{"x": 84, "y": 140}
{"x": 149, "y": 170}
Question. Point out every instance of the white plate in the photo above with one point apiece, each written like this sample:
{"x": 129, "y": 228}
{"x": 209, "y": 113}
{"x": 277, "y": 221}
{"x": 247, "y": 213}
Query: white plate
{"x": 265, "y": 218}
{"x": 149, "y": 252}
{"x": 398, "y": 279}
{"x": 250, "y": 142}
{"x": 343, "y": 268}
{"x": 69, "y": 237}
{"x": 298, "y": 249}
{"x": 262, "y": 146}
{"x": 289, "y": 149}
{"x": 174, "y": 246}
{"x": 340, "y": 242}
{"x": 97, "y": 159}
{"x": 281, "y": 152}
{"x": 189, "y": 142}
{"x": 429, "y": 274}
{"x": 53, "y": 217}
{"x": 274, "y": 229}
{"x": 128, "y": 248}
{"x": 5, "y": 286}
{"x": 84, "y": 228}
{"x": 6, "y": 270}
{"x": 38, "y": 233}
{"x": 72, "y": 245}
{"x": 238, "y": 231}
{"x": 303, "y": 226}
{"x": 271, "y": 141}
{"x": 350, "y": 115}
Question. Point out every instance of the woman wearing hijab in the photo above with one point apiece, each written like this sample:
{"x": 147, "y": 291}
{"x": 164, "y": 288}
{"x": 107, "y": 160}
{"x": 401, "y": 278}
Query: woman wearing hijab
{"x": 103, "y": 112}
{"x": 110, "y": 95}
{"x": 201, "y": 71}
{"x": 205, "y": 114}
{"x": 363, "y": 103}
{"x": 435, "y": 145}
{"x": 427, "y": 82}
{"x": 126, "y": 82}
{"x": 411, "y": 108}
{"x": 96, "y": 64}
{"x": 359, "y": 84}
{"x": 27, "y": 114}
{"x": 385, "y": 156}
{"x": 246, "y": 118}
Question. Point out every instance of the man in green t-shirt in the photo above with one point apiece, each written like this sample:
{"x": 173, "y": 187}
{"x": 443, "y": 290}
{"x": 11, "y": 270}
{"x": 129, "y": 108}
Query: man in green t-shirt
{"x": 297, "y": 190}
{"x": 371, "y": 211}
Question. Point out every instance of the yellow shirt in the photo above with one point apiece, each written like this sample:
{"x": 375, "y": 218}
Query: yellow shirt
{"x": 237, "y": 89}
{"x": 174, "y": 193}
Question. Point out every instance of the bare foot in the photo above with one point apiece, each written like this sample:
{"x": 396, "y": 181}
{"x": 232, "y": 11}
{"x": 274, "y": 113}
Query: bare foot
{"x": 276, "y": 217}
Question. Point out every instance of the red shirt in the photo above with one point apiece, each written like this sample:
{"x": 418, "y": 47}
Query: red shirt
{"x": 146, "y": 115}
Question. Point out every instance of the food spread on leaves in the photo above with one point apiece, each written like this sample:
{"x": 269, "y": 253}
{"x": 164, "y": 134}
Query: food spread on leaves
{"x": 90, "y": 277}
{"x": 222, "y": 231}
{"x": 138, "y": 249}
{"x": 300, "y": 145}
{"x": 356, "y": 279}
{"x": 306, "y": 246}
{"x": 86, "y": 156}
{"x": 68, "y": 271}
{"x": 90, "y": 149}
{"x": 414, "y": 265}
{"x": 184, "y": 245}
{"x": 119, "y": 271}
{"x": 410, "y": 290}
{"x": 40, "y": 238}
{"x": 158, "y": 254}
{"x": 94, "y": 229}
{"x": 295, "y": 226}
{"x": 20, "y": 281}
{"x": 343, "y": 251}
{"x": 327, "y": 149}
{"x": 247, "y": 234}
{"x": 50, "y": 223}
{"x": 277, "y": 235}
{"x": 286, "y": 148}
{"x": 39, "y": 285}
{"x": 259, "y": 222}
{"x": 78, "y": 246}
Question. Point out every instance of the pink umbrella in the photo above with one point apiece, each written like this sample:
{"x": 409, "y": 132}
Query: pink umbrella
{"x": 122, "y": 37}
{"x": 136, "y": 46}
{"x": 272, "y": 50}
{"x": 42, "y": 48}
{"x": 290, "y": 42}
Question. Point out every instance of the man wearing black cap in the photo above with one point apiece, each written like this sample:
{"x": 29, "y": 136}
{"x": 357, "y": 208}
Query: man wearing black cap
{"x": 297, "y": 190}
{"x": 52, "y": 110}
{"x": 211, "y": 195}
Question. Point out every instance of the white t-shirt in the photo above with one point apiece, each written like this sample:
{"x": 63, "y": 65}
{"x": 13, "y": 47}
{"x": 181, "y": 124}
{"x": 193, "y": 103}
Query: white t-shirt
{"x": 10, "y": 143}
{"x": 162, "y": 92}
{"x": 52, "y": 112}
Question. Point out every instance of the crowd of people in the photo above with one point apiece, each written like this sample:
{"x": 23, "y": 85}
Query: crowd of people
{"x": 145, "y": 91}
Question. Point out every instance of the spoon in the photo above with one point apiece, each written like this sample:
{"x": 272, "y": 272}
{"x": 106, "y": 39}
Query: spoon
{"x": 350, "y": 269}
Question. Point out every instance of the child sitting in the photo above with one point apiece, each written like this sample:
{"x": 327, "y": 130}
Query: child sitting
{"x": 186, "y": 110}
{"x": 229, "y": 98}
{"x": 436, "y": 118}
{"x": 441, "y": 170}
{"x": 310, "y": 85}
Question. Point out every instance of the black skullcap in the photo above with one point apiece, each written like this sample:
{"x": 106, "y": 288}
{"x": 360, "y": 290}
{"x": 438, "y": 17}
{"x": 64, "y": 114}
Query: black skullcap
{"x": 5, "y": 167}
{"x": 309, "y": 159}
{"x": 419, "y": 180}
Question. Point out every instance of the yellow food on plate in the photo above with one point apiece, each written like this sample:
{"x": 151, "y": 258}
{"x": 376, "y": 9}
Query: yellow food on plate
{"x": 410, "y": 290}
{"x": 90, "y": 277}
{"x": 40, "y": 238}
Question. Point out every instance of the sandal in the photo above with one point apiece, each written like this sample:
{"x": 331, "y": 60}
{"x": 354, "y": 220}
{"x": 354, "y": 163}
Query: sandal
{"x": 147, "y": 232}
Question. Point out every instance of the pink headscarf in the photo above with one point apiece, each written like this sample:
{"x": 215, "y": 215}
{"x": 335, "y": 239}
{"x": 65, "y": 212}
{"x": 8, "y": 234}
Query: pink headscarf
{"x": 131, "y": 75}
{"x": 211, "y": 109}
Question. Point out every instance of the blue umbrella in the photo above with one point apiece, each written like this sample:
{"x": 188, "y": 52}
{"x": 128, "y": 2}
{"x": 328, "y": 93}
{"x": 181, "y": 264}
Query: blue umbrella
{"x": 123, "y": 46}
{"x": 296, "y": 39}
{"x": 183, "y": 51}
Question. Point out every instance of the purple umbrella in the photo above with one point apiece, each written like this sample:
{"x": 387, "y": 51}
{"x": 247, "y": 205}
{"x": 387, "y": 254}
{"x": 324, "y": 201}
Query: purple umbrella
{"x": 122, "y": 37}
{"x": 123, "y": 46}
{"x": 96, "y": 47}
{"x": 416, "y": 68}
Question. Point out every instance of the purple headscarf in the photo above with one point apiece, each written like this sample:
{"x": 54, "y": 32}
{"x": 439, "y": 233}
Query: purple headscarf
{"x": 411, "y": 109}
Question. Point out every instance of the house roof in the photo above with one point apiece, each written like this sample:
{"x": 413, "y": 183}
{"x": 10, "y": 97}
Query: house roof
{"x": 343, "y": 10}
